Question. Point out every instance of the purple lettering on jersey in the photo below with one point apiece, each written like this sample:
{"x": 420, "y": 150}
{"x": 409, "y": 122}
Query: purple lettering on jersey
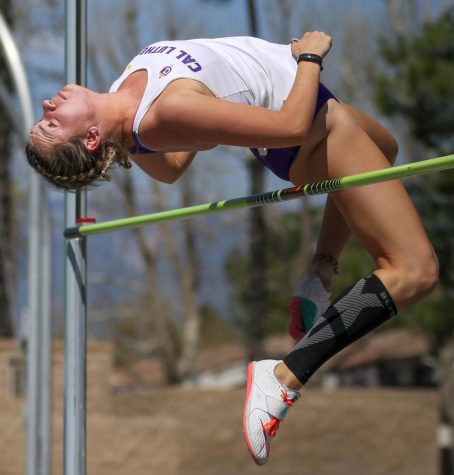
{"x": 188, "y": 59}
{"x": 190, "y": 62}
{"x": 145, "y": 50}
{"x": 157, "y": 49}
{"x": 150, "y": 50}
{"x": 195, "y": 68}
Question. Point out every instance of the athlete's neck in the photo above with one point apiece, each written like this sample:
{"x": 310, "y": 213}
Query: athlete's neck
{"x": 116, "y": 111}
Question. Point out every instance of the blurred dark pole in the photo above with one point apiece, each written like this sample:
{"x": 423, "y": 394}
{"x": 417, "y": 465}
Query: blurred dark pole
{"x": 257, "y": 291}
{"x": 252, "y": 17}
{"x": 446, "y": 422}
{"x": 445, "y": 443}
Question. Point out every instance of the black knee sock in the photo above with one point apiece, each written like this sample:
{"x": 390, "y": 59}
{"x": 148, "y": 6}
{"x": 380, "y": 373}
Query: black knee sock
{"x": 357, "y": 311}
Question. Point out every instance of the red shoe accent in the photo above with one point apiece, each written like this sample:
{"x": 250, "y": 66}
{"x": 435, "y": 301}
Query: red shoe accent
{"x": 285, "y": 398}
{"x": 271, "y": 426}
{"x": 250, "y": 374}
{"x": 295, "y": 326}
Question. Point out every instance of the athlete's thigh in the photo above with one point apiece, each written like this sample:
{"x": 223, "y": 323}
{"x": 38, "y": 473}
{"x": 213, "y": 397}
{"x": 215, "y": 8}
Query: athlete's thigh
{"x": 342, "y": 112}
{"x": 382, "y": 216}
{"x": 379, "y": 134}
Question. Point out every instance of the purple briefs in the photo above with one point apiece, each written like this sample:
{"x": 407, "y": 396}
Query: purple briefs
{"x": 279, "y": 160}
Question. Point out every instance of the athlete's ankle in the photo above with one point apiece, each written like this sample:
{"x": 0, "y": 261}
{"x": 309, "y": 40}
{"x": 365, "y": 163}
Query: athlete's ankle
{"x": 325, "y": 266}
{"x": 325, "y": 273}
{"x": 287, "y": 378}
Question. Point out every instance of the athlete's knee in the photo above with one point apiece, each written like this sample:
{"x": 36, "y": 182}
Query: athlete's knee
{"x": 419, "y": 276}
{"x": 428, "y": 273}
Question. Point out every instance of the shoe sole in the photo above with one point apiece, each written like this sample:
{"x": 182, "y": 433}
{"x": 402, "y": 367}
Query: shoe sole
{"x": 250, "y": 376}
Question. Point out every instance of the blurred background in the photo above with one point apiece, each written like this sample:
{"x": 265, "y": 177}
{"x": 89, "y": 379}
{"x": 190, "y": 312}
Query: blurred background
{"x": 176, "y": 310}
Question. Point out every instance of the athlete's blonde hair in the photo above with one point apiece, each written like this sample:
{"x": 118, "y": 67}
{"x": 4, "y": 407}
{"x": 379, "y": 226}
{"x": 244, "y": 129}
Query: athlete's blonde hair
{"x": 71, "y": 166}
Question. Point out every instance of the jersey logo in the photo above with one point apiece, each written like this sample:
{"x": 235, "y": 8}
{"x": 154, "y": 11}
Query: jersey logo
{"x": 164, "y": 71}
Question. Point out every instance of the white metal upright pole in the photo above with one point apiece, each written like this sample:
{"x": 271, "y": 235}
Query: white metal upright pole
{"x": 75, "y": 274}
{"x": 32, "y": 330}
{"x": 45, "y": 374}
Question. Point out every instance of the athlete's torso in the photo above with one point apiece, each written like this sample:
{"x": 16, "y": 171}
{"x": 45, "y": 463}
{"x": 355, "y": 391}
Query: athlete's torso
{"x": 239, "y": 69}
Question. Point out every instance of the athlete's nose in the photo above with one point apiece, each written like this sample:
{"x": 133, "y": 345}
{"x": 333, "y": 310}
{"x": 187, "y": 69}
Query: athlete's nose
{"x": 48, "y": 105}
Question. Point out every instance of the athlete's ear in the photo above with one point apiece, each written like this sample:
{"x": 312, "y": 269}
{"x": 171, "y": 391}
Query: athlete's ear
{"x": 92, "y": 139}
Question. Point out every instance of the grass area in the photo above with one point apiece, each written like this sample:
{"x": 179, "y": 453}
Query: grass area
{"x": 195, "y": 432}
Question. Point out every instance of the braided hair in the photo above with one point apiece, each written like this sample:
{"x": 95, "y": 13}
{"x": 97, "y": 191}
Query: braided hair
{"x": 71, "y": 166}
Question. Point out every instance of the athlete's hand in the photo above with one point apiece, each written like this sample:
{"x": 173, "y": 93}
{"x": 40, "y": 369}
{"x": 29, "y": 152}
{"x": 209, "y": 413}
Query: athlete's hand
{"x": 315, "y": 42}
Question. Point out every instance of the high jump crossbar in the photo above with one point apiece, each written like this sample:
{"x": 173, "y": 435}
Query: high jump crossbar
{"x": 318, "y": 188}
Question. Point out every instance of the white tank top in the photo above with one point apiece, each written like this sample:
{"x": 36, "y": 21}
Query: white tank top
{"x": 240, "y": 69}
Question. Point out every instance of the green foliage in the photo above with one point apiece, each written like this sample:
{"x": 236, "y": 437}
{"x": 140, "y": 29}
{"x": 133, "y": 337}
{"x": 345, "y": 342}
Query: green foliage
{"x": 434, "y": 199}
{"x": 432, "y": 315}
{"x": 283, "y": 252}
{"x": 356, "y": 263}
{"x": 419, "y": 82}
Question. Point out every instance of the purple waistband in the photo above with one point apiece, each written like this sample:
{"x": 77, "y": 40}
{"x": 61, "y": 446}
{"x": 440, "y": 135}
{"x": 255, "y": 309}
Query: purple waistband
{"x": 279, "y": 160}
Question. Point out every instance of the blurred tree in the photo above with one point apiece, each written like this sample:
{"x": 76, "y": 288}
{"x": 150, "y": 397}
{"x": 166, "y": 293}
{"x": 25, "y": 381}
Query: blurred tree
{"x": 7, "y": 222}
{"x": 420, "y": 84}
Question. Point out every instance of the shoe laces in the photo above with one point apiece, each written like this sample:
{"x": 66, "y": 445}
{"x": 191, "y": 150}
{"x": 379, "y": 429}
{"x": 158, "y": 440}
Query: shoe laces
{"x": 272, "y": 425}
{"x": 286, "y": 399}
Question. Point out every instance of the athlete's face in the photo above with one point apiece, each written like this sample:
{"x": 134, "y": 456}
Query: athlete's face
{"x": 65, "y": 116}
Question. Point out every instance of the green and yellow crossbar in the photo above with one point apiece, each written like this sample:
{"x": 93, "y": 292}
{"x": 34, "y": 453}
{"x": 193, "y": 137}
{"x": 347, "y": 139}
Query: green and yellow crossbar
{"x": 326, "y": 186}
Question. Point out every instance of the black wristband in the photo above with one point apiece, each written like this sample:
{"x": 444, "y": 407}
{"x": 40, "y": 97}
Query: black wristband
{"x": 311, "y": 57}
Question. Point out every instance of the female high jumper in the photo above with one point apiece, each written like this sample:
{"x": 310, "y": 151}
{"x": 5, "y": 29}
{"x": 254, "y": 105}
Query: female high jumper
{"x": 178, "y": 97}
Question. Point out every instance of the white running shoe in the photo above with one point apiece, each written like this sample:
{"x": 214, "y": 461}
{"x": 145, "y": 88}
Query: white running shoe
{"x": 266, "y": 405}
{"x": 309, "y": 301}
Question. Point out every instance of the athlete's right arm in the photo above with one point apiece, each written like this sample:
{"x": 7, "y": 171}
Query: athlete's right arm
{"x": 205, "y": 121}
{"x": 166, "y": 167}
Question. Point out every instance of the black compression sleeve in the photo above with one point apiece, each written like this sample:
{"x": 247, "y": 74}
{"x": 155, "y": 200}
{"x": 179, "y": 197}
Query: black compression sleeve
{"x": 357, "y": 311}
